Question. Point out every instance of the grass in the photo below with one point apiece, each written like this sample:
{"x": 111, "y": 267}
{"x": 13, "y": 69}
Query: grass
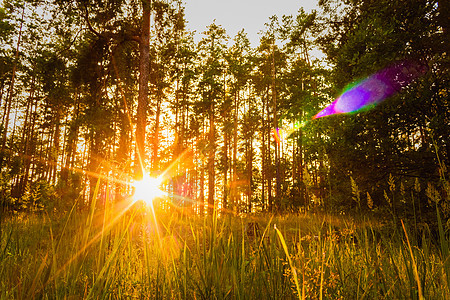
{"x": 117, "y": 252}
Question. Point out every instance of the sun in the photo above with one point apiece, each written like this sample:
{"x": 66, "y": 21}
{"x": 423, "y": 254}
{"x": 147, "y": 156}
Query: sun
{"x": 148, "y": 189}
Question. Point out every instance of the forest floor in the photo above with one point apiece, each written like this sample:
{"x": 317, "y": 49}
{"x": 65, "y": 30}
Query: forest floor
{"x": 113, "y": 254}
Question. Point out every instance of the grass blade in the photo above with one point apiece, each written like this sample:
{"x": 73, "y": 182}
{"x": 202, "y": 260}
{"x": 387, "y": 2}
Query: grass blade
{"x": 416, "y": 273}
{"x": 294, "y": 271}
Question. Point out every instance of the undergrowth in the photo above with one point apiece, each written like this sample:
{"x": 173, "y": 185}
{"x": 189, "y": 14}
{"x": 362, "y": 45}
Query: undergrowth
{"x": 120, "y": 251}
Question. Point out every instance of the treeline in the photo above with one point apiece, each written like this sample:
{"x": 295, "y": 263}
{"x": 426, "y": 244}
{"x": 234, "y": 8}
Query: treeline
{"x": 102, "y": 89}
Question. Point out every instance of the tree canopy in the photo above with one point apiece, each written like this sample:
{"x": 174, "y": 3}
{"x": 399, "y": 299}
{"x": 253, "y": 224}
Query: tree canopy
{"x": 101, "y": 92}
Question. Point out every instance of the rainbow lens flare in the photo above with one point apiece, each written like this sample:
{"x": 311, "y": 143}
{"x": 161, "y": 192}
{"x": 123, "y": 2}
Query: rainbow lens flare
{"x": 281, "y": 134}
{"x": 373, "y": 90}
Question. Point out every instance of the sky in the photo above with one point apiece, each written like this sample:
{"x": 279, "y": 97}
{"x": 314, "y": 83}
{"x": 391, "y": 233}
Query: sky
{"x": 234, "y": 15}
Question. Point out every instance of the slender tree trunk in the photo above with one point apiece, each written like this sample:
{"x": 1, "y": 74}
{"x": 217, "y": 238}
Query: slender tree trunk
{"x": 249, "y": 175}
{"x": 211, "y": 158}
{"x": 56, "y": 141}
{"x": 155, "y": 158}
{"x": 144, "y": 69}
{"x": 2, "y": 88}
{"x": 34, "y": 137}
{"x": 4, "y": 104}
{"x": 269, "y": 157}
{"x": 27, "y": 131}
{"x": 14, "y": 124}
{"x": 263, "y": 156}
{"x": 178, "y": 183}
{"x": 10, "y": 93}
{"x": 94, "y": 163}
{"x": 72, "y": 138}
{"x": 235, "y": 140}
{"x": 225, "y": 149}
{"x": 226, "y": 168}
{"x": 294, "y": 174}
{"x": 275, "y": 126}
{"x": 202, "y": 187}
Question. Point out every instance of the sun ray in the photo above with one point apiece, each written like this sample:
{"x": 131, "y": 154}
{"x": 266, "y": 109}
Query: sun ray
{"x": 126, "y": 206}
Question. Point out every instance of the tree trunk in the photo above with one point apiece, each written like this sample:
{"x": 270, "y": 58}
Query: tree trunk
{"x": 269, "y": 157}
{"x": 26, "y": 138}
{"x": 249, "y": 174}
{"x": 275, "y": 126}
{"x": 55, "y": 148}
{"x": 94, "y": 163}
{"x": 71, "y": 142}
{"x": 155, "y": 158}
{"x": 144, "y": 69}
{"x": 202, "y": 187}
{"x": 10, "y": 93}
{"x": 226, "y": 168}
{"x": 263, "y": 157}
{"x": 234, "y": 165}
{"x": 211, "y": 158}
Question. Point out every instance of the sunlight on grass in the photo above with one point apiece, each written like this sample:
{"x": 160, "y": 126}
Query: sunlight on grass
{"x": 118, "y": 252}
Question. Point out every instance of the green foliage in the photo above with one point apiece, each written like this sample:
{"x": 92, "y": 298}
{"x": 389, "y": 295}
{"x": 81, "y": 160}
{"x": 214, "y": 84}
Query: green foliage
{"x": 37, "y": 197}
{"x": 6, "y": 201}
{"x": 5, "y": 26}
{"x": 76, "y": 98}
{"x": 366, "y": 37}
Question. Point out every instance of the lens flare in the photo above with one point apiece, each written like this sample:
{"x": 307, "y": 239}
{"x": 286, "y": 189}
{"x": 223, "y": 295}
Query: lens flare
{"x": 373, "y": 90}
{"x": 276, "y": 133}
{"x": 148, "y": 189}
{"x": 281, "y": 134}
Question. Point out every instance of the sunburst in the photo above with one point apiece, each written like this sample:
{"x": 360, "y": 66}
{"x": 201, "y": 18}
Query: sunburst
{"x": 148, "y": 189}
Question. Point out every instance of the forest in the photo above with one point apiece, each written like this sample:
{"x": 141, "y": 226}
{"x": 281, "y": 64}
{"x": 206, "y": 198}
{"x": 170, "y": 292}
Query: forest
{"x": 84, "y": 86}
{"x": 97, "y": 95}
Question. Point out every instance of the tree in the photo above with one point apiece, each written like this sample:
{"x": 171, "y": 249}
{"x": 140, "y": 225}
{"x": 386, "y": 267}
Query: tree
{"x": 167, "y": 20}
{"x": 185, "y": 127}
{"x": 271, "y": 63}
{"x": 111, "y": 24}
{"x": 6, "y": 29}
{"x": 239, "y": 60}
{"x": 144, "y": 70}
{"x": 303, "y": 95}
{"x": 212, "y": 49}
{"x": 9, "y": 97}
{"x": 392, "y": 138}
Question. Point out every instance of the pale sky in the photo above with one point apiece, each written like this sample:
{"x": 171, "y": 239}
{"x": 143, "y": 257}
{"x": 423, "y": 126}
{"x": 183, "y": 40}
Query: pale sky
{"x": 234, "y": 15}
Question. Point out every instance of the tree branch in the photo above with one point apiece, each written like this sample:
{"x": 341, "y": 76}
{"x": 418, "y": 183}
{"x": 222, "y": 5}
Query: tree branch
{"x": 107, "y": 35}
{"x": 86, "y": 17}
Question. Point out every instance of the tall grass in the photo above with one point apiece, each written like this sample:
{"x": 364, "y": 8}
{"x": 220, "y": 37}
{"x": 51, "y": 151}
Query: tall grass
{"x": 124, "y": 251}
